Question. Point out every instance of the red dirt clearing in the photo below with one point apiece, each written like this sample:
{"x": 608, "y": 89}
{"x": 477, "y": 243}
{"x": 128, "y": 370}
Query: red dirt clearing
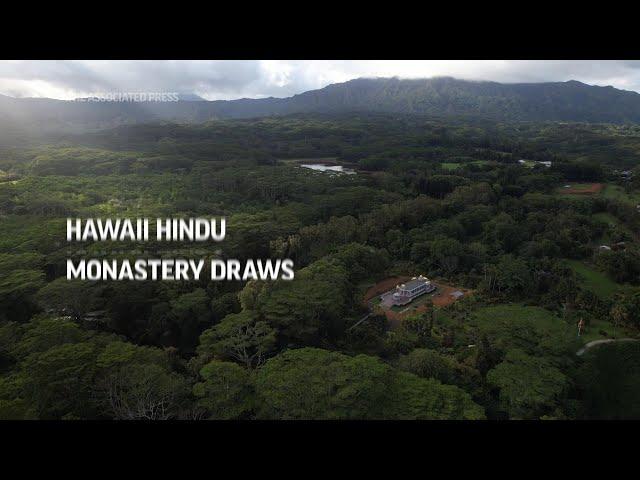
{"x": 384, "y": 286}
{"x": 591, "y": 189}
{"x": 441, "y": 298}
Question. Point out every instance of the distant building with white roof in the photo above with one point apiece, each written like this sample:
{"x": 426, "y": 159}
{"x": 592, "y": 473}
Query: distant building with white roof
{"x": 417, "y": 286}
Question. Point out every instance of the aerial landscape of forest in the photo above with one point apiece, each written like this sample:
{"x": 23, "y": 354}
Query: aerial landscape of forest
{"x": 517, "y": 206}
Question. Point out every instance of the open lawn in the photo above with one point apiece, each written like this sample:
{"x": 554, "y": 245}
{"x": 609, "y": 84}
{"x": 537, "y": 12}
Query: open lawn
{"x": 493, "y": 315}
{"x": 611, "y": 220}
{"x": 604, "y": 288}
{"x": 601, "y": 329}
{"x": 451, "y": 166}
{"x": 595, "y": 281}
{"x": 498, "y": 320}
{"x": 616, "y": 192}
{"x": 529, "y": 328}
{"x": 608, "y": 218}
{"x": 459, "y": 165}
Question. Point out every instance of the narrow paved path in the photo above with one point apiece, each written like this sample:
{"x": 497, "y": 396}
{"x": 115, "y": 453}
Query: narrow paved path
{"x": 360, "y": 321}
{"x": 600, "y": 342}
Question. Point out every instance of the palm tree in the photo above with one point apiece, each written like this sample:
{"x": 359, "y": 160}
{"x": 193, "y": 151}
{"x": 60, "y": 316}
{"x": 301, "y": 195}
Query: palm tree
{"x": 618, "y": 314}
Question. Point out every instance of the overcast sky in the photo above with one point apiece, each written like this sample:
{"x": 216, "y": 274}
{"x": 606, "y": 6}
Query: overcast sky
{"x": 217, "y": 79}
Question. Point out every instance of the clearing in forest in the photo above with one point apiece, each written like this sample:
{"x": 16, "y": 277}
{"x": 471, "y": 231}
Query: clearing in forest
{"x": 384, "y": 286}
{"x": 443, "y": 296}
{"x": 616, "y": 192}
{"x": 581, "y": 189}
{"x": 594, "y": 280}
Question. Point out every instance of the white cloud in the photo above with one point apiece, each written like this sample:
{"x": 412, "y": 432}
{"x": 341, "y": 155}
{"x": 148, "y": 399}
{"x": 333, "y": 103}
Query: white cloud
{"x": 228, "y": 79}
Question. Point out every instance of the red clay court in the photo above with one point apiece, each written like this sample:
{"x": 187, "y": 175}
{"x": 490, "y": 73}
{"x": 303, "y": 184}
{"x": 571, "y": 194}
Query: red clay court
{"x": 582, "y": 189}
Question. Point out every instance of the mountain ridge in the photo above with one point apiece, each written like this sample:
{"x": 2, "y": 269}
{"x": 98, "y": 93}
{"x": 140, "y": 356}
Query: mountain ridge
{"x": 441, "y": 96}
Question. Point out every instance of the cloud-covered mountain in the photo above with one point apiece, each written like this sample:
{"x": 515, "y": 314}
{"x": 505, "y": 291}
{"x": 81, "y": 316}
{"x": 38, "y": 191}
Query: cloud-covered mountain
{"x": 558, "y": 101}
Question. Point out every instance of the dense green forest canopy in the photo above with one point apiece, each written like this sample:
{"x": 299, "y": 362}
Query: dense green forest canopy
{"x": 475, "y": 203}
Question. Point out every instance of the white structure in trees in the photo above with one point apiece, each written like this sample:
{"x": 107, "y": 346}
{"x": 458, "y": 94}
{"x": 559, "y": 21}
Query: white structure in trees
{"x": 406, "y": 292}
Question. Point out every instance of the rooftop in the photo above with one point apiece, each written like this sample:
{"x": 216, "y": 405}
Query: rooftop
{"x": 414, "y": 282}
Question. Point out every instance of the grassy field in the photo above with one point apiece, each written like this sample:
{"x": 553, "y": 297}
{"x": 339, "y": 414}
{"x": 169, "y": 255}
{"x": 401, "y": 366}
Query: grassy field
{"x": 608, "y": 218}
{"x": 594, "y": 280}
{"x": 604, "y": 288}
{"x": 496, "y": 314}
{"x": 451, "y": 166}
{"x": 594, "y": 329}
{"x": 616, "y": 192}
{"x": 530, "y": 328}
{"x": 499, "y": 319}
{"x": 611, "y": 220}
{"x": 456, "y": 166}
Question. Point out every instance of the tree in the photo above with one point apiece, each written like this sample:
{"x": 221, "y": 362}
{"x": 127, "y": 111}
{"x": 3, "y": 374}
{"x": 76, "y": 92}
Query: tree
{"x": 58, "y": 382}
{"x": 69, "y": 297}
{"x": 530, "y": 387}
{"x": 137, "y": 383}
{"x": 310, "y": 383}
{"x": 192, "y": 313}
{"x": 619, "y": 315}
{"x": 241, "y": 337}
{"x": 43, "y": 333}
{"x": 225, "y": 391}
{"x": 139, "y": 391}
{"x": 439, "y": 185}
{"x": 622, "y": 266}
{"x": 510, "y": 276}
{"x": 427, "y": 399}
{"x": 224, "y": 304}
{"x": 252, "y": 294}
{"x": 503, "y": 232}
{"x": 422, "y": 323}
{"x": 626, "y": 309}
{"x": 362, "y": 261}
{"x": 13, "y": 405}
{"x": 427, "y": 363}
{"x": 446, "y": 254}
{"x": 311, "y": 307}
{"x": 487, "y": 357}
{"x": 609, "y": 381}
{"x": 16, "y": 289}
{"x": 119, "y": 353}
{"x": 10, "y": 333}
